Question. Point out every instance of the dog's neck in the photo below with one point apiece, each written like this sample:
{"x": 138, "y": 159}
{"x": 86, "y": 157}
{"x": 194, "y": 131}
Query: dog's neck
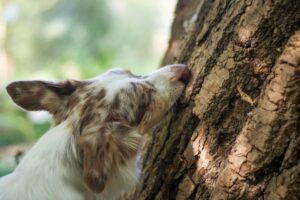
{"x": 53, "y": 167}
{"x": 52, "y": 164}
{"x": 55, "y": 149}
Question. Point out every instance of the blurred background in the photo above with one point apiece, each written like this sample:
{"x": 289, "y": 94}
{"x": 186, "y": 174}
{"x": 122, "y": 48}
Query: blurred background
{"x": 74, "y": 39}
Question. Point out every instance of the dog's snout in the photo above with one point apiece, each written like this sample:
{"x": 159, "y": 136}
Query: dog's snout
{"x": 182, "y": 71}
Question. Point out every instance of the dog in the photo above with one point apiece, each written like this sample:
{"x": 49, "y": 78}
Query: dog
{"x": 98, "y": 124}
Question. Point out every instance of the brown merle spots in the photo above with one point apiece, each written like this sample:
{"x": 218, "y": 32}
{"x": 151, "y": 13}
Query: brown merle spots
{"x": 72, "y": 102}
{"x": 134, "y": 87}
{"x": 115, "y": 105}
{"x": 106, "y": 130}
{"x": 150, "y": 85}
{"x": 63, "y": 88}
{"x": 42, "y": 95}
{"x": 145, "y": 100}
{"x": 86, "y": 120}
{"x": 103, "y": 151}
{"x": 100, "y": 95}
{"x": 109, "y": 141}
{"x": 89, "y": 114}
{"x": 119, "y": 128}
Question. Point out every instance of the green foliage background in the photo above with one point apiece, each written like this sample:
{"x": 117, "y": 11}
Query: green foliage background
{"x": 58, "y": 39}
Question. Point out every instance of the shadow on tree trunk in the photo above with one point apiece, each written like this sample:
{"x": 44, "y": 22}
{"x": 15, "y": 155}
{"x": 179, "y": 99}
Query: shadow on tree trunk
{"x": 235, "y": 134}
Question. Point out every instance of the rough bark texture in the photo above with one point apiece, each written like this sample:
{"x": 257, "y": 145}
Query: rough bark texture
{"x": 235, "y": 134}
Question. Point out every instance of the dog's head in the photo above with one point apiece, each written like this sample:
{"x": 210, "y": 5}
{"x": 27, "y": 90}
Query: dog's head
{"x": 107, "y": 113}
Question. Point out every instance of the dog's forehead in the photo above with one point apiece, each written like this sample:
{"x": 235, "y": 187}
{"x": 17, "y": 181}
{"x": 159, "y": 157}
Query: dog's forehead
{"x": 112, "y": 85}
{"x": 113, "y": 74}
{"x": 113, "y": 82}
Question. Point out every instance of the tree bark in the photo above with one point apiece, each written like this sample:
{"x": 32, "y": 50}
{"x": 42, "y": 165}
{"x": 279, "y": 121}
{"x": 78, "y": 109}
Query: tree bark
{"x": 236, "y": 131}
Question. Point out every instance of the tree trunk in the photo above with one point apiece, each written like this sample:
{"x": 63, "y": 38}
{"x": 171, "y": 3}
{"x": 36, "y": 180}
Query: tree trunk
{"x": 236, "y": 131}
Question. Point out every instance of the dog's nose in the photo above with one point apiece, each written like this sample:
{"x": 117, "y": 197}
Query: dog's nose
{"x": 182, "y": 71}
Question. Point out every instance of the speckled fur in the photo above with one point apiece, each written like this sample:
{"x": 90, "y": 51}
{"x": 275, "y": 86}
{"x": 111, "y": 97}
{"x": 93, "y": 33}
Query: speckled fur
{"x": 98, "y": 125}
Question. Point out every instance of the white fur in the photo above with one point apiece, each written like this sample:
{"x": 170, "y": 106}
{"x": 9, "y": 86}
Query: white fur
{"x": 48, "y": 172}
{"x": 51, "y": 170}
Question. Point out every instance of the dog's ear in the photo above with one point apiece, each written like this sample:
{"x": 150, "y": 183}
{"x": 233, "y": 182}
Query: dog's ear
{"x": 103, "y": 150}
{"x": 41, "y": 95}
